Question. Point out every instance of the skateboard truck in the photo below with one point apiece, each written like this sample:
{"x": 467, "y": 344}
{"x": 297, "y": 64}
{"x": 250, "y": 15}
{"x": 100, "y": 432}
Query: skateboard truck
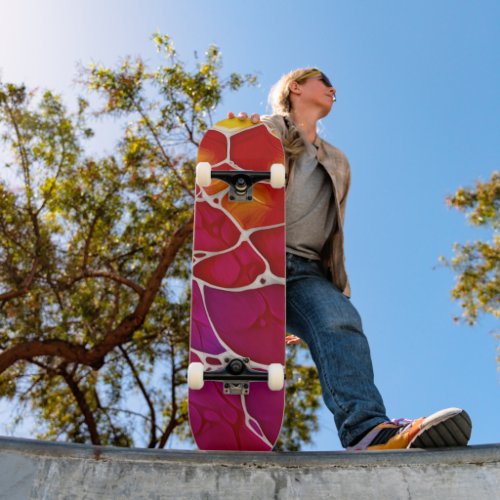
{"x": 236, "y": 376}
{"x": 240, "y": 181}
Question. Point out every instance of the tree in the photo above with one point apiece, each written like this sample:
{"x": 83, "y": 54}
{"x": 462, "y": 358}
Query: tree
{"x": 95, "y": 255}
{"x": 477, "y": 264}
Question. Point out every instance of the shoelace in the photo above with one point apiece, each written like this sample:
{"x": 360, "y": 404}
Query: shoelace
{"x": 401, "y": 421}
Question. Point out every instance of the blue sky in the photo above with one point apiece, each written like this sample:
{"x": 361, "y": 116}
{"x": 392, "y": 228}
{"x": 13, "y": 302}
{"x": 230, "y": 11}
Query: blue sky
{"x": 418, "y": 115}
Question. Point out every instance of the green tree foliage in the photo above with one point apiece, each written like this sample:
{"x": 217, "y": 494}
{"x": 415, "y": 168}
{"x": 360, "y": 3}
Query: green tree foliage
{"x": 95, "y": 255}
{"x": 477, "y": 264}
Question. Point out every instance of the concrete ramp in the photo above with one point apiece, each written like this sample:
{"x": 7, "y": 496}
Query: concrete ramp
{"x": 35, "y": 469}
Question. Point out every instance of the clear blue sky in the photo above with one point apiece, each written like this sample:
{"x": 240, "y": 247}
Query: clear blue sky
{"x": 418, "y": 115}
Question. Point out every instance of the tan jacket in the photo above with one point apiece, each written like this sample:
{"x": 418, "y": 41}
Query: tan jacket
{"x": 337, "y": 166}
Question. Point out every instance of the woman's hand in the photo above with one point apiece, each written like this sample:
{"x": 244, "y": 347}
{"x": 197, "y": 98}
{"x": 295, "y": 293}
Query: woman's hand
{"x": 255, "y": 118}
{"x": 292, "y": 340}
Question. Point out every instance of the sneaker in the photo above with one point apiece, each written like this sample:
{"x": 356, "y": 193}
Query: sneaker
{"x": 450, "y": 427}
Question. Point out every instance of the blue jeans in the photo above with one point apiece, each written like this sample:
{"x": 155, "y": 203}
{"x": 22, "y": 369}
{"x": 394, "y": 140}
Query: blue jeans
{"x": 325, "y": 319}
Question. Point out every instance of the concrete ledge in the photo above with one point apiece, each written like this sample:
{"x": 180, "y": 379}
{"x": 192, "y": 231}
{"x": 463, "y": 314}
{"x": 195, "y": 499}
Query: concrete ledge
{"x": 36, "y": 469}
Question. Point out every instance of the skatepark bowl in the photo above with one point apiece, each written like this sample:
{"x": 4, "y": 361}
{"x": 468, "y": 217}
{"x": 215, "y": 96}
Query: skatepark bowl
{"x": 31, "y": 469}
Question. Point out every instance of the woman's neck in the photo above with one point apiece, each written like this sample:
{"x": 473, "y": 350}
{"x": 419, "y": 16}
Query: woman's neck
{"x": 306, "y": 122}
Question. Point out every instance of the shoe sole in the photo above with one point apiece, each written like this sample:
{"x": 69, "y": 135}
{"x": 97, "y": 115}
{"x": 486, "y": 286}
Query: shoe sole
{"x": 451, "y": 427}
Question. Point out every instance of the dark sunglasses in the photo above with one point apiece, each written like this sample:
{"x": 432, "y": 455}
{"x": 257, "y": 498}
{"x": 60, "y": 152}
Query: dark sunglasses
{"x": 316, "y": 72}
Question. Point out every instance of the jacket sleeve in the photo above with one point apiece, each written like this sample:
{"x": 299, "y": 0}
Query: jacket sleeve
{"x": 347, "y": 185}
{"x": 343, "y": 202}
{"x": 275, "y": 123}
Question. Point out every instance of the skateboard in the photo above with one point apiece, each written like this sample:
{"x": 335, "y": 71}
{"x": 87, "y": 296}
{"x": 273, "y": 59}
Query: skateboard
{"x": 236, "y": 370}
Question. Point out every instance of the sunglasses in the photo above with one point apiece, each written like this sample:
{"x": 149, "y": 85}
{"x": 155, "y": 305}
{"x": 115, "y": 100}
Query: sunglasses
{"x": 316, "y": 72}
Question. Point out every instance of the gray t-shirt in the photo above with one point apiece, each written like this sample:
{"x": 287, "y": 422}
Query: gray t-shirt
{"x": 310, "y": 207}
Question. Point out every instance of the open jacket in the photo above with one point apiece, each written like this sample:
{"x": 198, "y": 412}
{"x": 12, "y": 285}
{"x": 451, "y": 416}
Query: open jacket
{"x": 337, "y": 166}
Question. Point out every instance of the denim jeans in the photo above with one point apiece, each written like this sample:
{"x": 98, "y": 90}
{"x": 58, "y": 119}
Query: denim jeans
{"x": 325, "y": 319}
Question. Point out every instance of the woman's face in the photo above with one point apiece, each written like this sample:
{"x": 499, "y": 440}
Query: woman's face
{"x": 316, "y": 91}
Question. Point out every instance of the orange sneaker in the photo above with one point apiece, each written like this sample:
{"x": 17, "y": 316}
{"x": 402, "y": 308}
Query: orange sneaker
{"x": 450, "y": 427}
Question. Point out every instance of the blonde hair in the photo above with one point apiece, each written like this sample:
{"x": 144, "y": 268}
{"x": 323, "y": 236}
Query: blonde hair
{"x": 279, "y": 96}
{"x": 281, "y": 104}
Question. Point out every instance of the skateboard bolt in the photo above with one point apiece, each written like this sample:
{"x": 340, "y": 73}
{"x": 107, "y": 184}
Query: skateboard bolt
{"x": 236, "y": 367}
{"x": 241, "y": 185}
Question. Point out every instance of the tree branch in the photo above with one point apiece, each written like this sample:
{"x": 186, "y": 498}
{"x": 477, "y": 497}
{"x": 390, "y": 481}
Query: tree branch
{"x": 173, "y": 422}
{"x": 137, "y": 378}
{"x": 82, "y": 404}
{"x": 93, "y": 224}
{"x": 161, "y": 148}
{"x": 24, "y": 288}
{"x": 114, "y": 277}
{"x": 122, "y": 333}
{"x": 53, "y": 184}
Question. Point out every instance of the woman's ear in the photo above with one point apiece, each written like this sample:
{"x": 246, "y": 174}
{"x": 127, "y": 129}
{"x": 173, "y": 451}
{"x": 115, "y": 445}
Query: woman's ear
{"x": 294, "y": 87}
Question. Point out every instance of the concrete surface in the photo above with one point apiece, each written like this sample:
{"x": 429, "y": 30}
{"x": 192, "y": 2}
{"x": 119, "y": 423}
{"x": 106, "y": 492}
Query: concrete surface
{"x": 42, "y": 470}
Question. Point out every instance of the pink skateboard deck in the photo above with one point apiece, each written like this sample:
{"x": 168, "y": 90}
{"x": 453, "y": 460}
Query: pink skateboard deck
{"x": 238, "y": 293}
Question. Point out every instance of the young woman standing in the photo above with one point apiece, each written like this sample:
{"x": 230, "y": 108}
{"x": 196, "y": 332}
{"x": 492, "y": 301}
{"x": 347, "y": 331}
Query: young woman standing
{"x": 319, "y": 310}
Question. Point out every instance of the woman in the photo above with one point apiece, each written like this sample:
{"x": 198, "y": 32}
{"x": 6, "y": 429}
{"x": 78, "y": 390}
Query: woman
{"x": 319, "y": 310}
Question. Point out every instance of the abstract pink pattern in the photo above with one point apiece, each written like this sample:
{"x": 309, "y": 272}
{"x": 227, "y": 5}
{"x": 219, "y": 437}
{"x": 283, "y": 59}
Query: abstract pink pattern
{"x": 238, "y": 295}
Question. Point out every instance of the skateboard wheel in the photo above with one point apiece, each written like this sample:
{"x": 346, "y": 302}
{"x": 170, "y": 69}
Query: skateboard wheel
{"x": 276, "y": 377}
{"x": 203, "y": 174}
{"x": 195, "y": 376}
{"x": 277, "y": 175}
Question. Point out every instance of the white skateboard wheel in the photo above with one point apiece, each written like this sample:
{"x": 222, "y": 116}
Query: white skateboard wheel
{"x": 277, "y": 175}
{"x": 276, "y": 377}
{"x": 195, "y": 376}
{"x": 203, "y": 174}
